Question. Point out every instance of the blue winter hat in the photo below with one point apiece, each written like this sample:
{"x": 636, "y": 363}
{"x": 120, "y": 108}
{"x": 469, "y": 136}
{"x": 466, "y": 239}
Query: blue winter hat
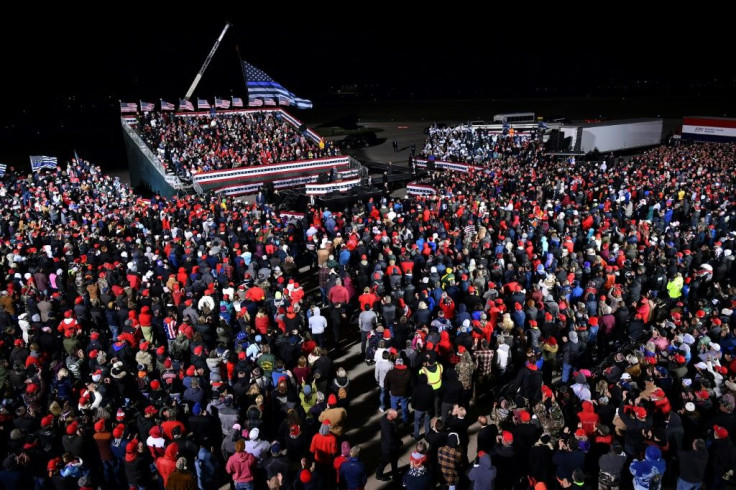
{"x": 197, "y": 409}
{"x": 652, "y": 453}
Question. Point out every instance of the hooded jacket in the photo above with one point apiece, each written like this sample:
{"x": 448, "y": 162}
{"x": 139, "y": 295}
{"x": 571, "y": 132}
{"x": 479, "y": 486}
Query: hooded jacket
{"x": 166, "y": 464}
{"x": 648, "y": 470}
{"x": 137, "y": 469}
{"x": 483, "y": 474}
{"x": 588, "y": 418}
{"x": 240, "y": 467}
{"x": 206, "y": 467}
{"x": 324, "y": 445}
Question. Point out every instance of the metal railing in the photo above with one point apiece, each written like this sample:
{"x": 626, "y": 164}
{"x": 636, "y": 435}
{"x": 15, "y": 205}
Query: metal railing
{"x": 153, "y": 159}
{"x": 354, "y": 164}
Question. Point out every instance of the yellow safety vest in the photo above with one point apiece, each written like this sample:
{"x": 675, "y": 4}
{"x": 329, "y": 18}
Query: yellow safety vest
{"x": 433, "y": 378}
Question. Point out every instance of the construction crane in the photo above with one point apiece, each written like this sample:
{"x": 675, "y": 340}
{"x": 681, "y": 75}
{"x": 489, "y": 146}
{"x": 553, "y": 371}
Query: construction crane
{"x": 193, "y": 87}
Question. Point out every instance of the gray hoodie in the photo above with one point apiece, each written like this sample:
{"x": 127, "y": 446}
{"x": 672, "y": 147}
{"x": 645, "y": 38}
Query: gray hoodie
{"x": 483, "y": 474}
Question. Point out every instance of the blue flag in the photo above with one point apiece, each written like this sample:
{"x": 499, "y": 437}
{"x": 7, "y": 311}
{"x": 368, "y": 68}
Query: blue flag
{"x": 39, "y": 162}
{"x": 263, "y": 88}
{"x": 3, "y": 169}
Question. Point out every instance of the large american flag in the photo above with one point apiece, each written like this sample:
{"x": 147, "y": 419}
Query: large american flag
{"x": 167, "y": 106}
{"x": 185, "y": 105}
{"x": 203, "y": 104}
{"x": 128, "y": 107}
{"x": 237, "y": 102}
{"x": 222, "y": 103}
{"x": 147, "y": 106}
{"x": 261, "y": 86}
{"x": 42, "y": 161}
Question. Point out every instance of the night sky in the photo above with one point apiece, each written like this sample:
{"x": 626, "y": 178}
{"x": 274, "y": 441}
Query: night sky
{"x": 61, "y": 67}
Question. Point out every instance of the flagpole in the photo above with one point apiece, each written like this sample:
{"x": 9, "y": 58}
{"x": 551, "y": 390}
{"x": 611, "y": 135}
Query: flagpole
{"x": 242, "y": 71}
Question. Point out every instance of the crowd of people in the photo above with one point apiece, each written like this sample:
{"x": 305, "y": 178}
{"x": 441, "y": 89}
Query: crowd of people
{"x": 579, "y": 319}
{"x": 199, "y": 143}
{"x": 478, "y": 146}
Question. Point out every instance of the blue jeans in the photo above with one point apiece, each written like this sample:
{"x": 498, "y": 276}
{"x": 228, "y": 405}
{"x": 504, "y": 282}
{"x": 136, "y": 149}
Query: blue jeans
{"x": 382, "y": 398}
{"x": 404, "y": 402}
{"x": 418, "y": 416}
{"x": 244, "y": 485}
{"x": 566, "y": 368}
{"x": 319, "y": 338}
{"x": 109, "y": 470}
{"x": 683, "y": 485}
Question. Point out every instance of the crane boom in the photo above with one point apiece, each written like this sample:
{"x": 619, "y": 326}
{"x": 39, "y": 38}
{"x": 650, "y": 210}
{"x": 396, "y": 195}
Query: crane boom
{"x": 206, "y": 62}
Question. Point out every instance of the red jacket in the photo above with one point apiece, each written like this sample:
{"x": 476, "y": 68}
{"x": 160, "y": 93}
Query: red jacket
{"x": 166, "y": 464}
{"x": 324, "y": 448}
{"x": 588, "y": 418}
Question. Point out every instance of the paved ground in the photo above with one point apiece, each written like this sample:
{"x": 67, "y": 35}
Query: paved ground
{"x": 363, "y": 414}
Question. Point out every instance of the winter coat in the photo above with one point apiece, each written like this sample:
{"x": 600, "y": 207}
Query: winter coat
{"x": 648, "y": 472}
{"x": 166, "y": 464}
{"x": 181, "y": 480}
{"x": 483, "y": 474}
{"x": 352, "y": 474}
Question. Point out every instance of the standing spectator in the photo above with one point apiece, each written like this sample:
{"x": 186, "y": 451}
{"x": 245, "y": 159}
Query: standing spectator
{"x": 317, "y": 325}
{"x": 483, "y": 474}
{"x": 610, "y": 468}
{"x": 570, "y": 352}
{"x": 181, "y": 478}
{"x": 339, "y": 297}
{"x": 449, "y": 458}
{"x": 398, "y": 385}
{"x": 324, "y": 449}
{"x": 335, "y": 414}
{"x": 722, "y": 458}
{"x": 366, "y": 321}
{"x": 390, "y": 446}
{"x": 382, "y": 368}
{"x": 693, "y": 464}
{"x": 166, "y": 464}
{"x": 240, "y": 467}
{"x": 137, "y": 465}
{"x": 422, "y": 401}
{"x": 418, "y": 476}
{"x": 352, "y": 471}
{"x": 648, "y": 472}
{"x": 207, "y": 467}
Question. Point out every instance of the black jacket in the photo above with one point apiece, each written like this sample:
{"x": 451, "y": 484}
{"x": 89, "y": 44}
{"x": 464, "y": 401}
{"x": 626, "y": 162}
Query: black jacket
{"x": 390, "y": 440}
{"x": 422, "y": 398}
{"x": 693, "y": 464}
{"x": 722, "y": 457}
{"x": 398, "y": 382}
{"x": 138, "y": 471}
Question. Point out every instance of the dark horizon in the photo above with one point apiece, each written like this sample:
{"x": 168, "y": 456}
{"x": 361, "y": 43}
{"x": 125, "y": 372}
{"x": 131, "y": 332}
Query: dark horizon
{"x": 68, "y": 73}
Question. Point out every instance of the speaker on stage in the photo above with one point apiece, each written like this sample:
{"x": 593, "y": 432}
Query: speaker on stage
{"x": 268, "y": 190}
{"x": 430, "y": 165}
